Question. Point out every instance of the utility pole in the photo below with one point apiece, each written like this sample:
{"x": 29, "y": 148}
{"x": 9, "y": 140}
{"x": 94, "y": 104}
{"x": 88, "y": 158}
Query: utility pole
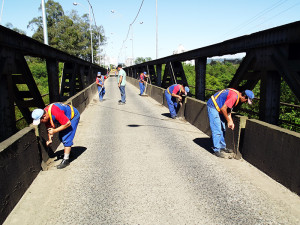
{"x": 45, "y": 23}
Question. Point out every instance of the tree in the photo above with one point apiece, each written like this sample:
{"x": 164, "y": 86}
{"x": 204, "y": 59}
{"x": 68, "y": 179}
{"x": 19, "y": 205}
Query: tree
{"x": 140, "y": 60}
{"x": 70, "y": 34}
{"x": 10, "y": 26}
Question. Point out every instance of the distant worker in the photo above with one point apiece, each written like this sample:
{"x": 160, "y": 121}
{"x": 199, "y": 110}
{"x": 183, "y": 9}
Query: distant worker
{"x": 122, "y": 84}
{"x": 68, "y": 117}
{"x": 173, "y": 96}
{"x": 100, "y": 85}
{"x": 142, "y": 82}
{"x": 219, "y": 108}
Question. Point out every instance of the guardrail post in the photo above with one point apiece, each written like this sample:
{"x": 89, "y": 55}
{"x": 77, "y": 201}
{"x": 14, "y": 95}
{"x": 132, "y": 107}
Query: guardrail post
{"x": 158, "y": 74}
{"x": 270, "y": 97}
{"x": 53, "y": 82}
{"x": 200, "y": 69}
{"x": 7, "y": 115}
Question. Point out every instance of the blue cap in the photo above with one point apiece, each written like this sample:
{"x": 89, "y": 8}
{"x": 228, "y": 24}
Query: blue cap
{"x": 250, "y": 96}
{"x": 187, "y": 90}
{"x": 36, "y": 116}
{"x": 99, "y": 74}
{"x": 145, "y": 73}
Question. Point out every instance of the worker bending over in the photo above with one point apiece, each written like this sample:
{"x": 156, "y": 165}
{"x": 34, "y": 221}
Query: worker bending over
{"x": 219, "y": 108}
{"x": 67, "y": 117}
{"x": 173, "y": 96}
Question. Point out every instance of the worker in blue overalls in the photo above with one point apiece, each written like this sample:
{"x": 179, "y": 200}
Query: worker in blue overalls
{"x": 100, "y": 85}
{"x": 67, "y": 117}
{"x": 173, "y": 96}
{"x": 219, "y": 108}
{"x": 142, "y": 82}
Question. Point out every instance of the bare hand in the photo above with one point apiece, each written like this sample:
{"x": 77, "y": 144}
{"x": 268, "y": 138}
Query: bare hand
{"x": 51, "y": 131}
{"x": 48, "y": 142}
{"x": 180, "y": 98}
{"x": 231, "y": 125}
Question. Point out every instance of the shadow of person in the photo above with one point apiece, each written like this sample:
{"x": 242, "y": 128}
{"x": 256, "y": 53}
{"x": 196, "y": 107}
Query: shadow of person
{"x": 75, "y": 153}
{"x": 205, "y": 143}
{"x": 166, "y": 115}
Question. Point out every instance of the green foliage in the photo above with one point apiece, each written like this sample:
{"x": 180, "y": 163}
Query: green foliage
{"x": 10, "y": 26}
{"x": 69, "y": 33}
{"x": 38, "y": 69}
{"x": 140, "y": 60}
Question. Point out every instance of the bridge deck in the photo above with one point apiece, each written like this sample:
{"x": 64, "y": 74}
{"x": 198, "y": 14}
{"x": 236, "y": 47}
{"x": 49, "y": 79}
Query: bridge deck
{"x": 132, "y": 164}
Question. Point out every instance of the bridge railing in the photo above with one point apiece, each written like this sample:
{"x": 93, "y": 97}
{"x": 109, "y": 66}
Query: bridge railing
{"x": 24, "y": 154}
{"x": 14, "y": 72}
{"x": 271, "y": 55}
{"x": 248, "y": 112}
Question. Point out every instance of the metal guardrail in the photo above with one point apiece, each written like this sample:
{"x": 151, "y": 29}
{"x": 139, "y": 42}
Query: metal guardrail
{"x": 22, "y": 118}
{"x": 250, "y": 112}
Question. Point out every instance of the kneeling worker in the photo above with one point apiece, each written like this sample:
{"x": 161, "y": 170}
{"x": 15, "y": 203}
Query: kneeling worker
{"x": 174, "y": 93}
{"x": 68, "y": 117}
{"x": 219, "y": 108}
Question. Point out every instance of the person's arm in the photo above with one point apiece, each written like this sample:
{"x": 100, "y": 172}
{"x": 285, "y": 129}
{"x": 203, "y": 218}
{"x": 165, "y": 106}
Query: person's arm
{"x": 227, "y": 116}
{"x": 175, "y": 91}
{"x": 52, "y": 131}
{"x": 49, "y": 139}
{"x": 177, "y": 96}
{"x": 97, "y": 82}
{"x": 120, "y": 80}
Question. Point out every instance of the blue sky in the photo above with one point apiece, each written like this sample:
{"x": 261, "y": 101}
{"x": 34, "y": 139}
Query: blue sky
{"x": 191, "y": 23}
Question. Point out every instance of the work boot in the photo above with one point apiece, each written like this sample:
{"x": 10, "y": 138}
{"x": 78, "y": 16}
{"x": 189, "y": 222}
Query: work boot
{"x": 222, "y": 154}
{"x": 64, "y": 163}
{"x": 227, "y": 150}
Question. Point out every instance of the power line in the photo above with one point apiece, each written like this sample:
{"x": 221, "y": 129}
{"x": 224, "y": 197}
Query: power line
{"x": 257, "y": 16}
{"x": 276, "y": 15}
{"x": 130, "y": 25}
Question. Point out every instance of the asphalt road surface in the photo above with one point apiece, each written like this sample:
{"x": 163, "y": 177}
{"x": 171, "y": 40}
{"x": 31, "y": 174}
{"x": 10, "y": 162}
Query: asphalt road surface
{"x": 132, "y": 164}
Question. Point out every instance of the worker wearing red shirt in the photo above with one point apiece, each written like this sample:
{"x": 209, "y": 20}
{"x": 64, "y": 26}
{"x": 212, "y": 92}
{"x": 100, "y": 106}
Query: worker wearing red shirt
{"x": 173, "y": 95}
{"x": 67, "y": 117}
{"x": 219, "y": 108}
{"x": 100, "y": 84}
{"x": 142, "y": 82}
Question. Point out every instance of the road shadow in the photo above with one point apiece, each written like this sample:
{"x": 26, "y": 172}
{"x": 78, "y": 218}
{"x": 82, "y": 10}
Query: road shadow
{"x": 75, "y": 153}
{"x": 205, "y": 143}
{"x": 170, "y": 128}
{"x": 167, "y": 115}
{"x": 169, "y": 119}
{"x": 134, "y": 125}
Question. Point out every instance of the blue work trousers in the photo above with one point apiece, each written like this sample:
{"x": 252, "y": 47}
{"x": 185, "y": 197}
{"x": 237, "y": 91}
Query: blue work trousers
{"x": 66, "y": 136}
{"x": 217, "y": 124}
{"x": 172, "y": 104}
{"x": 123, "y": 94}
{"x": 101, "y": 92}
{"x": 142, "y": 88}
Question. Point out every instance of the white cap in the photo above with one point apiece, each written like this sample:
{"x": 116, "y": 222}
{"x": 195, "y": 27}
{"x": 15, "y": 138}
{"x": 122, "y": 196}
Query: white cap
{"x": 36, "y": 116}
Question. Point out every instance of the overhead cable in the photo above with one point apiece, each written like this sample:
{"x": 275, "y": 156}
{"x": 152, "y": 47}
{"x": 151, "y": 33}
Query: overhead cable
{"x": 257, "y": 16}
{"x": 130, "y": 25}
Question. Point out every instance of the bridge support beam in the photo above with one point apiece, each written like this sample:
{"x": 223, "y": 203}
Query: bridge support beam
{"x": 200, "y": 69}
{"x": 53, "y": 82}
{"x": 270, "y": 97}
{"x": 158, "y": 74}
{"x": 7, "y": 109}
